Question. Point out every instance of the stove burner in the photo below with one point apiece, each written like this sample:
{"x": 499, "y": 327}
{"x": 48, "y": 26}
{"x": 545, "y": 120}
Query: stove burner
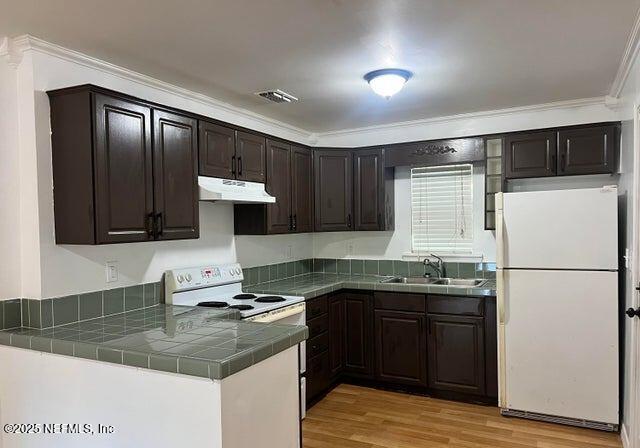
{"x": 214, "y": 304}
{"x": 270, "y": 299}
{"x": 244, "y": 296}
{"x": 241, "y": 307}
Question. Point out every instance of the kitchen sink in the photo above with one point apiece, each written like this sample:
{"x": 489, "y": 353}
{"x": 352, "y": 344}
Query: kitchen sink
{"x": 452, "y": 282}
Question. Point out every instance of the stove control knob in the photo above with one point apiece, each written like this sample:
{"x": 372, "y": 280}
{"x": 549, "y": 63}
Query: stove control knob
{"x": 180, "y": 278}
{"x": 231, "y": 272}
{"x": 238, "y": 271}
{"x": 188, "y": 277}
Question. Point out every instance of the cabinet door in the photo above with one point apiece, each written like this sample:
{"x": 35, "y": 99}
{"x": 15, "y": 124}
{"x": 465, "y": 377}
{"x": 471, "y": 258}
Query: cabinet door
{"x": 368, "y": 201}
{"x": 333, "y": 190}
{"x": 587, "y": 150}
{"x": 279, "y": 185}
{"x": 217, "y": 150}
{"x": 358, "y": 335}
{"x": 123, "y": 171}
{"x": 302, "y": 189}
{"x": 456, "y": 354}
{"x": 250, "y": 157}
{"x": 530, "y": 155}
{"x": 175, "y": 166}
{"x": 491, "y": 348}
{"x": 317, "y": 376}
{"x": 336, "y": 334}
{"x": 401, "y": 347}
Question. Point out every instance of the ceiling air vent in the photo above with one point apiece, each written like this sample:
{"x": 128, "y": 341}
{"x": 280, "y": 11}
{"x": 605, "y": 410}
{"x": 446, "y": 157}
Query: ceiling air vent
{"x": 277, "y": 96}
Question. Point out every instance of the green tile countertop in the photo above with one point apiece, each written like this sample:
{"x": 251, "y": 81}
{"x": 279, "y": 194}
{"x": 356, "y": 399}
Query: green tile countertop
{"x": 189, "y": 340}
{"x": 317, "y": 284}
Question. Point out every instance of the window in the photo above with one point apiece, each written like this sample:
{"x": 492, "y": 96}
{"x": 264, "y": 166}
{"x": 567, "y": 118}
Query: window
{"x": 442, "y": 209}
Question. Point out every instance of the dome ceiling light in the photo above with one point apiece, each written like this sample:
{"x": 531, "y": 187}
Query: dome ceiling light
{"x": 388, "y": 81}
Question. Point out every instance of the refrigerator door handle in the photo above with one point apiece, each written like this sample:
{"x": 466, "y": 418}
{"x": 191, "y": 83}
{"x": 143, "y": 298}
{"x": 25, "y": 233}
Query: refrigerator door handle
{"x": 499, "y": 198}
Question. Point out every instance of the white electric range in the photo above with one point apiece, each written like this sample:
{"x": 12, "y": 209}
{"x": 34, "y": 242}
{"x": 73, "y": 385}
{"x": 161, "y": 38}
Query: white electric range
{"x": 220, "y": 286}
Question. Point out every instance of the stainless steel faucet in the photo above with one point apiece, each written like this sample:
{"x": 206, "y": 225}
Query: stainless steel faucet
{"x": 438, "y": 266}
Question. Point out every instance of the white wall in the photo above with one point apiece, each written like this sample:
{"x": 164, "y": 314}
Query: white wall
{"x": 396, "y": 244}
{"x": 9, "y": 183}
{"x": 628, "y": 235}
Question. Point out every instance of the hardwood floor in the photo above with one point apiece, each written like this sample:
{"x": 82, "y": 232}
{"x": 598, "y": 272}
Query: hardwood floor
{"x": 359, "y": 417}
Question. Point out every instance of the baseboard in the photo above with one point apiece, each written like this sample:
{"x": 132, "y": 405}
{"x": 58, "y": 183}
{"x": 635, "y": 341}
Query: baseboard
{"x": 624, "y": 436}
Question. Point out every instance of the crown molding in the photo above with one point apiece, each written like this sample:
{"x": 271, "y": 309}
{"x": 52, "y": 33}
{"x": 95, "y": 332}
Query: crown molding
{"x": 556, "y": 105}
{"x": 27, "y": 42}
{"x": 12, "y": 50}
{"x": 628, "y": 58}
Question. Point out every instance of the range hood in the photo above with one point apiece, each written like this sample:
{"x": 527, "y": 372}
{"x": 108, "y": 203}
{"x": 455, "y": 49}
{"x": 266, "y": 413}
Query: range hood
{"x": 236, "y": 191}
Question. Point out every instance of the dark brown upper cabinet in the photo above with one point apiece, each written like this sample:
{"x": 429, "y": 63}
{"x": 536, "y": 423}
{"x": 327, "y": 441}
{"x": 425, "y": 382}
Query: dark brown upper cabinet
{"x": 250, "y": 157}
{"x": 289, "y": 181}
{"x": 456, "y": 353}
{"x": 530, "y": 155}
{"x": 217, "y": 150}
{"x": 302, "y": 189}
{"x": 175, "y": 165}
{"x": 333, "y": 176}
{"x": 358, "y": 335}
{"x": 400, "y": 347}
{"x": 109, "y": 187}
{"x": 373, "y": 191}
{"x": 279, "y": 185}
{"x": 587, "y": 150}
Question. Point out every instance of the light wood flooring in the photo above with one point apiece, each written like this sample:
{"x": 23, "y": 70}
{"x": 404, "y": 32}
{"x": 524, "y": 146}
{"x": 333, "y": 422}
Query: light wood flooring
{"x": 359, "y": 417}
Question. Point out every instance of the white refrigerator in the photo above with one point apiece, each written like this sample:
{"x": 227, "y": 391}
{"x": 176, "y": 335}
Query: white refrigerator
{"x": 557, "y": 287}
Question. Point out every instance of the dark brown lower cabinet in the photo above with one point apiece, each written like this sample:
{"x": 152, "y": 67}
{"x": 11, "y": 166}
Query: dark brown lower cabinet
{"x": 434, "y": 344}
{"x": 317, "y": 375}
{"x": 400, "y": 348}
{"x": 358, "y": 335}
{"x": 336, "y": 334}
{"x": 456, "y": 353}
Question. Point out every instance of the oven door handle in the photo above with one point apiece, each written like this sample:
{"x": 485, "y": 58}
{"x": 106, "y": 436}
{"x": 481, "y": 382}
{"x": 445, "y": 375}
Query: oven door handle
{"x": 279, "y": 314}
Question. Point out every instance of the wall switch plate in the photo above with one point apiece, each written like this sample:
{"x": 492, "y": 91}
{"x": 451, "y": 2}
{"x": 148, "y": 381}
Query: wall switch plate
{"x": 112, "y": 271}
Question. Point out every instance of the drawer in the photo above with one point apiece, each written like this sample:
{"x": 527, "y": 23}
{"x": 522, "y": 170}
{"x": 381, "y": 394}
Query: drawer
{"x": 317, "y": 345}
{"x": 317, "y": 375}
{"x": 316, "y": 307}
{"x": 398, "y": 301}
{"x": 318, "y": 325}
{"x": 461, "y": 305}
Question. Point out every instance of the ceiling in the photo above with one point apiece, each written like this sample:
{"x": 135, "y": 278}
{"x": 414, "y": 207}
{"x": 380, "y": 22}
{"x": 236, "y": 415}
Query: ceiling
{"x": 466, "y": 55}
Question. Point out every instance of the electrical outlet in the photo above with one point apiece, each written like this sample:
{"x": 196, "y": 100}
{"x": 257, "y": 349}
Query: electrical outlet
{"x": 112, "y": 271}
{"x": 289, "y": 252}
{"x": 349, "y": 248}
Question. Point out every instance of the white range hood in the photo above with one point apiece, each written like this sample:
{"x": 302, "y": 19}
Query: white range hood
{"x": 236, "y": 191}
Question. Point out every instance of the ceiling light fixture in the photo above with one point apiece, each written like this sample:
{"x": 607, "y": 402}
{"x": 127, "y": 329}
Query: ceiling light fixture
{"x": 388, "y": 81}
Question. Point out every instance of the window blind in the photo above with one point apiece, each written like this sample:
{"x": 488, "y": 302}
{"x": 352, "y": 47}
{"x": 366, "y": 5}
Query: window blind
{"x": 442, "y": 209}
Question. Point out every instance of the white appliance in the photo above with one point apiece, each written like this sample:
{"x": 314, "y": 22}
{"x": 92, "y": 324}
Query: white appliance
{"x": 557, "y": 287}
{"x": 220, "y": 286}
{"x": 236, "y": 191}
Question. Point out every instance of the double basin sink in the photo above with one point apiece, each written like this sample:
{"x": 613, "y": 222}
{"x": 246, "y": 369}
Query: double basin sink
{"x": 451, "y": 282}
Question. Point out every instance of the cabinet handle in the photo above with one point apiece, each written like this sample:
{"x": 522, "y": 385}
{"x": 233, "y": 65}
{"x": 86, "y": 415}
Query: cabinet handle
{"x": 233, "y": 165}
{"x": 294, "y": 224}
{"x": 380, "y": 221}
{"x": 290, "y": 226}
{"x": 150, "y": 225}
{"x": 240, "y": 166}
{"x": 349, "y": 220}
{"x": 158, "y": 225}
